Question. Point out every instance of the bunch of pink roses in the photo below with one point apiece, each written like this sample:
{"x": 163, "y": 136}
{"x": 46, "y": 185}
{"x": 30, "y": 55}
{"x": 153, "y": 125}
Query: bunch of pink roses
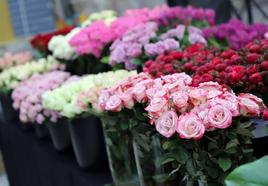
{"x": 27, "y": 96}
{"x": 174, "y": 106}
{"x": 12, "y": 59}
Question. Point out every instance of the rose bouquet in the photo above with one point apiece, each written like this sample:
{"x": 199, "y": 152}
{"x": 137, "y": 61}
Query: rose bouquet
{"x": 64, "y": 99}
{"x": 146, "y": 41}
{"x": 107, "y": 16}
{"x": 13, "y": 59}
{"x": 209, "y": 119}
{"x": 40, "y": 41}
{"x": 11, "y": 77}
{"x": 235, "y": 34}
{"x": 27, "y": 97}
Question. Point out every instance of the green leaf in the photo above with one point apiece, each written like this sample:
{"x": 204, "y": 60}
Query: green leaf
{"x": 182, "y": 155}
{"x": 190, "y": 167}
{"x": 136, "y": 61}
{"x": 224, "y": 163}
{"x": 251, "y": 174}
{"x": 105, "y": 60}
{"x": 232, "y": 143}
{"x": 160, "y": 178}
{"x": 244, "y": 132}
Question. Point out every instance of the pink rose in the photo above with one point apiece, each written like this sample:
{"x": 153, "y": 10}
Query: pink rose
{"x": 247, "y": 106}
{"x": 190, "y": 126}
{"x": 197, "y": 96}
{"x": 180, "y": 100}
{"x": 155, "y": 92}
{"x": 213, "y": 89}
{"x": 114, "y": 104}
{"x": 139, "y": 93}
{"x": 103, "y": 98}
{"x": 182, "y": 79}
{"x": 157, "y": 106}
{"x": 230, "y": 103}
{"x": 219, "y": 117}
{"x": 40, "y": 119}
{"x": 167, "y": 123}
{"x": 127, "y": 99}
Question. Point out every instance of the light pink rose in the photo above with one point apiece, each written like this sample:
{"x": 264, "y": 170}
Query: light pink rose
{"x": 230, "y": 103}
{"x": 157, "y": 106}
{"x": 167, "y": 123}
{"x": 103, "y": 98}
{"x": 155, "y": 92}
{"x": 247, "y": 106}
{"x": 182, "y": 79}
{"x": 114, "y": 104}
{"x": 23, "y": 118}
{"x": 197, "y": 96}
{"x": 40, "y": 119}
{"x": 180, "y": 100}
{"x": 190, "y": 126}
{"x": 219, "y": 117}
{"x": 139, "y": 93}
{"x": 127, "y": 99}
{"x": 213, "y": 89}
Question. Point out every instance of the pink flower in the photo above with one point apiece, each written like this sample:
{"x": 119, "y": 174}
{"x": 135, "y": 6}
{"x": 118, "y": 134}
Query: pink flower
{"x": 103, "y": 98}
{"x": 181, "y": 79}
{"x": 197, "y": 96}
{"x": 155, "y": 92}
{"x": 247, "y": 106}
{"x": 167, "y": 123}
{"x": 40, "y": 119}
{"x": 157, "y": 106}
{"x": 139, "y": 93}
{"x": 219, "y": 117}
{"x": 213, "y": 89}
{"x": 180, "y": 100}
{"x": 127, "y": 99}
{"x": 190, "y": 126}
{"x": 114, "y": 104}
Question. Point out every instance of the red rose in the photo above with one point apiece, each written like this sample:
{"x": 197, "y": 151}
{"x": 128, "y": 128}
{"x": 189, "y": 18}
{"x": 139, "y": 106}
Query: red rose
{"x": 265, "y": 114}
{"x": 255, "y": 48}
{"x": 206, "y": 78}
{"x": 188, "y": 66}
{"x": 227, "y": 53}
{"x": 255, "y": 78}
{"x": 235, "y": 58}
{"x": 264, "y": 65}
{"x": 237, "y": 73}
{"x": 221, "y": 67}
{"x": 252, "y": 69}
{"x": 252, "y": 58}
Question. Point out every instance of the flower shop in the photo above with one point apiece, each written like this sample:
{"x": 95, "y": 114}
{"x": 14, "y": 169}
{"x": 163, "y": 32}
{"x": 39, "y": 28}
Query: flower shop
{"x": 158, "y": 96}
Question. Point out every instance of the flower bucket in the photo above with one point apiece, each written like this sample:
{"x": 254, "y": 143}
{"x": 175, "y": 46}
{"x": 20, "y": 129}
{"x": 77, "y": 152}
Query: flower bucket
{"x": 59, "y": 134}
{"x": 9, "y": 114}
{"x": 41, "y": 131}
{"x": 119, "y": 147}
{"x": 87, "y": 141}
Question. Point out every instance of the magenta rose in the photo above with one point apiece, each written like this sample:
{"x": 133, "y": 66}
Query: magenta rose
{"x": 167, "y": 123}
{"x": 190, "y": 126}
{"x": 219, "y": 116}
{"x": 114, "y": 104}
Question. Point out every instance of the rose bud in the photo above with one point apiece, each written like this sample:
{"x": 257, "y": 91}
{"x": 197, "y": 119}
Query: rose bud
{"x": 252, "y": 58}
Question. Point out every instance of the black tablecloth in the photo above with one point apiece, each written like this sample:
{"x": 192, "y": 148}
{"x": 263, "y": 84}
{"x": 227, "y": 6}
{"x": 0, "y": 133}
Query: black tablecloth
{"x": 33, "y": 162}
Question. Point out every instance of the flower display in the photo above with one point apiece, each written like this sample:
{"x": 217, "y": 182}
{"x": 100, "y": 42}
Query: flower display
{"x": 91, "y": 40}
{"x": 60, "y": 47}
{"x": 40, "y": 41}
{"x": 64, "y": 99}
{"x": 236, "y": 33}
{"x": 11, "y": 77}
{"x": 207, "y": 107}
{"x": 27, "y": 96}
{"x": 13, "y": 59}
{"x": 131, "y": 45}
{"x": 107, "y": 16}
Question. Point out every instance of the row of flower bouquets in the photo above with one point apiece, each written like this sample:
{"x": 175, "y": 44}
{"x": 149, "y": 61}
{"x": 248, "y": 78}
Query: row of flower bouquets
{"x": 183, "y": 111}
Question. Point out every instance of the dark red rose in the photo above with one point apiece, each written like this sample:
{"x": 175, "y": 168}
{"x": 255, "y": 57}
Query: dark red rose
{"x": 235, "y": 59}
{"x": 252, "y": 58}
{"x": 252, "y": 69}
{"x": 221, "y": 67}
{"x": 264, "y": 65}
{"x": 255, "y": 78}
{"x": 255, "y": 48}
{"x": 206, "y": 78}
{"x": 227, "y": 53}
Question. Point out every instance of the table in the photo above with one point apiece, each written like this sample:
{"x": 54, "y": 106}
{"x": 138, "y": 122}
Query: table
{"x": 34, "y": 162}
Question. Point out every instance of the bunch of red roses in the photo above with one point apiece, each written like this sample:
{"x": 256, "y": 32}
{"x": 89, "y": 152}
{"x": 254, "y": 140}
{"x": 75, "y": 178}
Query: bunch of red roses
{"x": 40, "y": 41}
{"x": 245, "y": 70}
